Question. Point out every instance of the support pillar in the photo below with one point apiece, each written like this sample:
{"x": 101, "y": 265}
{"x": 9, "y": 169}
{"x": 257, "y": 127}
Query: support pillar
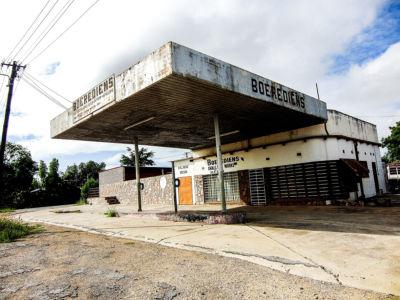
{"x": 174, "y": 186}
{"x": 137, "y": 167}
{"x": 220, "y": 165}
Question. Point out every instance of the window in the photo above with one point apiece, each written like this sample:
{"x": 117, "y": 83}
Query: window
{"x": 211, "y": 187}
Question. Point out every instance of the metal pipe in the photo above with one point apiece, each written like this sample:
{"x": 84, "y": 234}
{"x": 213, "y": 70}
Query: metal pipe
{"x": 220, "y": 165}
{"x": 173, "y": 184}
{"x": 137, "y": 167}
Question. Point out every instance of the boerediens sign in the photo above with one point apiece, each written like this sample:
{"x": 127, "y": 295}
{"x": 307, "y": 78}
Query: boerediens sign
{"x": 99, "y": 96}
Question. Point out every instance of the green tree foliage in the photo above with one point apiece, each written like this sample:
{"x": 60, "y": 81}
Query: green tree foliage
{"x": 90, "y": 183}
{"x": 53, "y": 179}
{"x": 392, "y": 143}
{"x": 88, "y": 170}
{"x": 145, "y": 158}
{"x": 21, "y": 189}
{"x": 42, "y": 172}
{"x": 72, "y": 175}
{"x": 18, "y": 172}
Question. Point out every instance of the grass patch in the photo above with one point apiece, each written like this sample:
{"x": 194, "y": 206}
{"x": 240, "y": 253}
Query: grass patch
{"x": 80, "y": 202}
{"x": 6, "y": 210}
{"x": 78, "y": 211}
{"x": 10, "y": 230}
{"x": 112, "y": 213}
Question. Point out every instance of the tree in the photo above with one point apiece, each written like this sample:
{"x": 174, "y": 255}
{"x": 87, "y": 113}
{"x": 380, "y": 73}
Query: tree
{"x": 145, "y": 158}
{"x": 71, "y": 175}
{"x": 53, "y": 178}
{"x": 42, "y": 172}
{"x": 88, "y": 170}
{"x": 392, "y": 143}
{"x": 18, "y": 172}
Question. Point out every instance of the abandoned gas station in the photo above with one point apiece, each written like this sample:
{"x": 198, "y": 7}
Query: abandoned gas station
{"x": 254, "y": 141}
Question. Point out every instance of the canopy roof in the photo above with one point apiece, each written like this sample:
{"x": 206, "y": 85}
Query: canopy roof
{"x": 169, "y": 99}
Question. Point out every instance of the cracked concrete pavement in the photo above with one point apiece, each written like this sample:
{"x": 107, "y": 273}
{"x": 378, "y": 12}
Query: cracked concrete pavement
{"x": 353, "y": 256}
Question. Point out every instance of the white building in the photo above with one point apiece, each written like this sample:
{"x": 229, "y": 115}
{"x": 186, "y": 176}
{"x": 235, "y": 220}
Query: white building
{"x": 338, "y": 160}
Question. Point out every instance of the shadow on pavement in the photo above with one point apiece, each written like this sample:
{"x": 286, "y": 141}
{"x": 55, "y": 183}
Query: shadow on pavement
{"x": 370, "y": 220}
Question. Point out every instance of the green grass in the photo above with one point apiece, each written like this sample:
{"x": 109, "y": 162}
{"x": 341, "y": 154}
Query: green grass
{"x": 78, "y": 211}
{"x": 6, "y": 210}
{"x": 112, "y": 213}
{"x": 80, "y": 202}
{"x": 10, "y": 230}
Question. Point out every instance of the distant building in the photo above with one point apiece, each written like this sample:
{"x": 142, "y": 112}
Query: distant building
{"x": 393, "y": 174}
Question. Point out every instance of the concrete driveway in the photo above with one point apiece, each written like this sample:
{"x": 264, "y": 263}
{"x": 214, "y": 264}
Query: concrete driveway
{"x": 357, "y": 247}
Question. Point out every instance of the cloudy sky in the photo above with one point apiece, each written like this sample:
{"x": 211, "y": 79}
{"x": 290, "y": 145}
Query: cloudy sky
{"x": 351, "y": 48}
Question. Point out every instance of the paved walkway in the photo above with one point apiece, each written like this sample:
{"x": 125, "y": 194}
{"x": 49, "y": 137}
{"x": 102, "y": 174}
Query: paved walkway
{"x": 307, "y": 243}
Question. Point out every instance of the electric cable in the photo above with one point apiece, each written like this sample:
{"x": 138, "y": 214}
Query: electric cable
{"x": 26, "y": 32}
{"x": 69, "y": 27}
{"x": 41, "y": 83}
{"x": 44, "y": 33}
{"x": 37, "y": 88}
{"x": 37, "y": 27}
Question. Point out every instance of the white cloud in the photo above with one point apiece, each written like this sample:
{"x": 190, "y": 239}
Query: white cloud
{"x": 370, "y": 91}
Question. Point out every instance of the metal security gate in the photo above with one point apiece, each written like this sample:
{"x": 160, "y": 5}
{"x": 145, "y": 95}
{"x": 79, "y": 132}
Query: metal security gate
{"x": 257, "y": 187}
{"x": 303, "y": 183}
{"x": 211, "y": 187}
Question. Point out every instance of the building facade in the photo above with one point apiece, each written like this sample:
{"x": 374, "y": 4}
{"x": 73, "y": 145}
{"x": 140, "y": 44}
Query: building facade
{"x": 321, "y": 164}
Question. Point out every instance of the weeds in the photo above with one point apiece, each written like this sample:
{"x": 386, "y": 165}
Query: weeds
{"x": 80, "y": 202}
{"x": 10, "y": 230}
{"x": 112, "y": 213}
{"x": 6, "y": 210}
{"x": 78, "y": 211}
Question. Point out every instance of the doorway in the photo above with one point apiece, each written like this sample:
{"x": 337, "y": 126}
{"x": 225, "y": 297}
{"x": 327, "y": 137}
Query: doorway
{"x": 185, "y": 191}
{"x": 375, "y": 173}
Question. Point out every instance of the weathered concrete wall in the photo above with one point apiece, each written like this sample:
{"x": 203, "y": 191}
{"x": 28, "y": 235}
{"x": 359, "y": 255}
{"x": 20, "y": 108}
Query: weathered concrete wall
{"x": 338, "y": 124}
{"x": 154, "y": 191}
{"x": 112, "y": 176}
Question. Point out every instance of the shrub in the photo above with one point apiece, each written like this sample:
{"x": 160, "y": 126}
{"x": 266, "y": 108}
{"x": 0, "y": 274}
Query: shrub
{"x": 6, "y": 210}
{"x": 112, "y": 213}
{"x": 91, "y": 183}
{"x": 11, "y": 230}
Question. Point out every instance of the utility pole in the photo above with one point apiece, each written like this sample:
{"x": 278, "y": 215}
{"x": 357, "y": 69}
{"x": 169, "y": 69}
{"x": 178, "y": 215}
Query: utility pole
{"x": 14, "y": 73}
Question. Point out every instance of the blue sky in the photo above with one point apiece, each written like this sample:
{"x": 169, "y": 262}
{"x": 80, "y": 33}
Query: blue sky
{"x": 372, "y": 41}
{"x": 339, "y": 44}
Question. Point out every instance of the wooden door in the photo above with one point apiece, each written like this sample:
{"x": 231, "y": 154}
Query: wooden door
{"x": 185, "y": 191}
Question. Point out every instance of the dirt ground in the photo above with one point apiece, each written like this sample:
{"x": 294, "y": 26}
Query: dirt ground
{"x": 63, "y": 263}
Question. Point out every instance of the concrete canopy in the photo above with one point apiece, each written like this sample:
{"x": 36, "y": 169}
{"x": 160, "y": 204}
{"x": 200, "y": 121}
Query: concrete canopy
{"x": 170, "y": 98}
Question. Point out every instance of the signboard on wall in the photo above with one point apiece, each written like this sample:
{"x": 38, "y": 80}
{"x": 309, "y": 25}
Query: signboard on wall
{"x": 98, "y": 97}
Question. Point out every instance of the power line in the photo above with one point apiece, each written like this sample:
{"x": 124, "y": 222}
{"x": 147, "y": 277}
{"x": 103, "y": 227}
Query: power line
{"x": 44, "y": 33}
{"x": 37, "y": 27}
{"x": 29, "y": 28}
{"x": 44, "y": 93}
{"x": 41, "y": 83}
{"x": 69, "y": 27}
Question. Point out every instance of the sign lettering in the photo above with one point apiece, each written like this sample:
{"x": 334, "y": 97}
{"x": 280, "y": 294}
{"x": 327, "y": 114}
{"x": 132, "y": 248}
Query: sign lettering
{"x": 278, "y": 92}
{"x": 96, "y": 98}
